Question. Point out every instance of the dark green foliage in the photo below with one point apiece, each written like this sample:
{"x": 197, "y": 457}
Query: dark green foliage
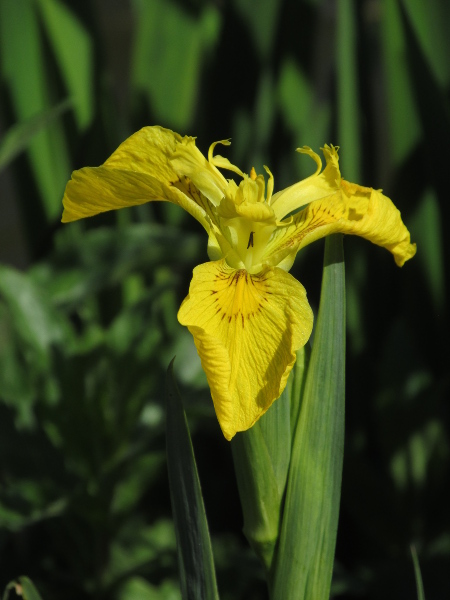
{"x": 195, "y": 558}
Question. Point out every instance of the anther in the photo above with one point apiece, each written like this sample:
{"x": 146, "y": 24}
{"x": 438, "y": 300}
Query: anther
{"x": 250, "y": 240}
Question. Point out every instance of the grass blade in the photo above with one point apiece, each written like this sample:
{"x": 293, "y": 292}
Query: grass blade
{"x": 304, "y": 558}
{"x": 197, "y": 574}
{"x": 418, "y": 575}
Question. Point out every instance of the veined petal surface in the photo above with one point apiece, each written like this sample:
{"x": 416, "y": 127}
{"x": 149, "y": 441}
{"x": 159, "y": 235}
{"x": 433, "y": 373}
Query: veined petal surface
{"x": 138, "y": 171}
{"x": 247, "y": 329}
{"x": 355, "y": 210}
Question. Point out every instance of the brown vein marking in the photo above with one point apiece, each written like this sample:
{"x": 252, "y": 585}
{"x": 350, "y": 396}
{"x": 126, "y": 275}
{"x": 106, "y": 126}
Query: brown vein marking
{"x": 303, "y": 233}
{"x": 315, "y": 222}
{"x": 257, "y": 297}
{"x": 186, "y": 186}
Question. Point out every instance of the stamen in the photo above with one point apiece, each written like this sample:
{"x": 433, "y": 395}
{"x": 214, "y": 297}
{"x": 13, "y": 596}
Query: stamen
{"x": 253, "y": 174}
{"x": 250, "y": 240}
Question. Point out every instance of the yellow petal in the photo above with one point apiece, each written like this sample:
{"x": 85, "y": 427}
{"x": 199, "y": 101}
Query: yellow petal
{"x": 190, "y": 162}
{"x": 137, "y": 172}
{"x": 312, "y": 188}
{"x": 355, "y": 210}
{"x": 247, "y": 329}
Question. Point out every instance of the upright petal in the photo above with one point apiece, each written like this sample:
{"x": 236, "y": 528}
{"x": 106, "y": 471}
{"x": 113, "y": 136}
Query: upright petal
{"x": 137, "y": 172}
{"x": 355, "y": 210}
{"x": 312, "y": 188}
{"x": 247, "y": 329}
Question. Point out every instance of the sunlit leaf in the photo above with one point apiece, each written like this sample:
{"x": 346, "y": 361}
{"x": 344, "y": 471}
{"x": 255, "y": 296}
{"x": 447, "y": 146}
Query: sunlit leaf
{"x": 73, "y": 51}
{"x": 310, "y": 517}
{"x": 25, "y": 72}
{"x": 307, "y": 117}
{"x": 169, "y": 50}
{"x": 261, "y": 458}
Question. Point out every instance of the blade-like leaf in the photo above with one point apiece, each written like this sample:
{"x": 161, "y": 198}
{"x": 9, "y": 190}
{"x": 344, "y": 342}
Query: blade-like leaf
{"x": 73, "y": 51}
{"x": 418, "y": 575}
{"x": 196, "y": 563}
{"x": 347, "y": 87}
{"x": 430, "y": 23}
{"x": 19, "y": 136}
{"x": 261, "y": 458}
{"x": 169, "y": 49}
{"x": 404, "y": 127}
{"x": 27, "y": 78}
{"x": 304, "y": 558}
{"x": 260, "y": 498}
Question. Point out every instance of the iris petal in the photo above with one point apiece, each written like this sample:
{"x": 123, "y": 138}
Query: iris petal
{"x": 137, "y": 172}
{"x": 247, "y": 329}
{"x": 355, "y": 210}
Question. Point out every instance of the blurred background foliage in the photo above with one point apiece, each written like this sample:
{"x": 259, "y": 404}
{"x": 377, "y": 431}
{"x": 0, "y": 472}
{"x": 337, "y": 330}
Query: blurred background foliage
{"x": 88, "y": 310}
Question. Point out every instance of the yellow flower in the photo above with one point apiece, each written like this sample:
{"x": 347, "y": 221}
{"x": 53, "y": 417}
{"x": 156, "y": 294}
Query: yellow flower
{"x": 247, "y": 314}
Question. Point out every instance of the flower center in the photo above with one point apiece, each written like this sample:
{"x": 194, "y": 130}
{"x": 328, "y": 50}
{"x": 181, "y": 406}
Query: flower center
{"x": 247, "y": 221}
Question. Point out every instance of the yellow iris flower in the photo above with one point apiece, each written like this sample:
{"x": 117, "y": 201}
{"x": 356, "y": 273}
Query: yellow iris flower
{"x": 247, "y": 314}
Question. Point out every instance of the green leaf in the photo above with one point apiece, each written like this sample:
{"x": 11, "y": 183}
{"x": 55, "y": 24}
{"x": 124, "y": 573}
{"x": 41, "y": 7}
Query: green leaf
{"x": 23, "y": 587}
{"x": 258, "y": 490}
{"x": 306, "y": 115}
{"x": 304, "y": 558}
{"x": 261, "y": 21}
{"x": 73, "y": 51}
{"x": 426, "y": 230}
{"x": 195, "y": 558}
{"x": 138, "y": 588}
{"x": 347, "y": 87}
{"x": 35, "y": 320}
{"x": 169, "y": 51}
{"x": 261, "y": 458}
{"x": 27, "y": 77}
{"x": 404, "y": 127}
{"x": 430, "y": 22}
{"x": 18, "y": 137}
{"x": 418, "y": 575}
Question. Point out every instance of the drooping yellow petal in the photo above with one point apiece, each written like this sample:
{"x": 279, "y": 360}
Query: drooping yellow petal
{"x": 247, "y": 329}
{"x": 137, "y": 172}
{"x": 355, "y": 210}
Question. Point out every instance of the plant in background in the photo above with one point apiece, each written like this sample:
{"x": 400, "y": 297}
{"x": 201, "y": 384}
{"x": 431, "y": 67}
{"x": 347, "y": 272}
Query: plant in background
{"x": 249, "y": 317}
